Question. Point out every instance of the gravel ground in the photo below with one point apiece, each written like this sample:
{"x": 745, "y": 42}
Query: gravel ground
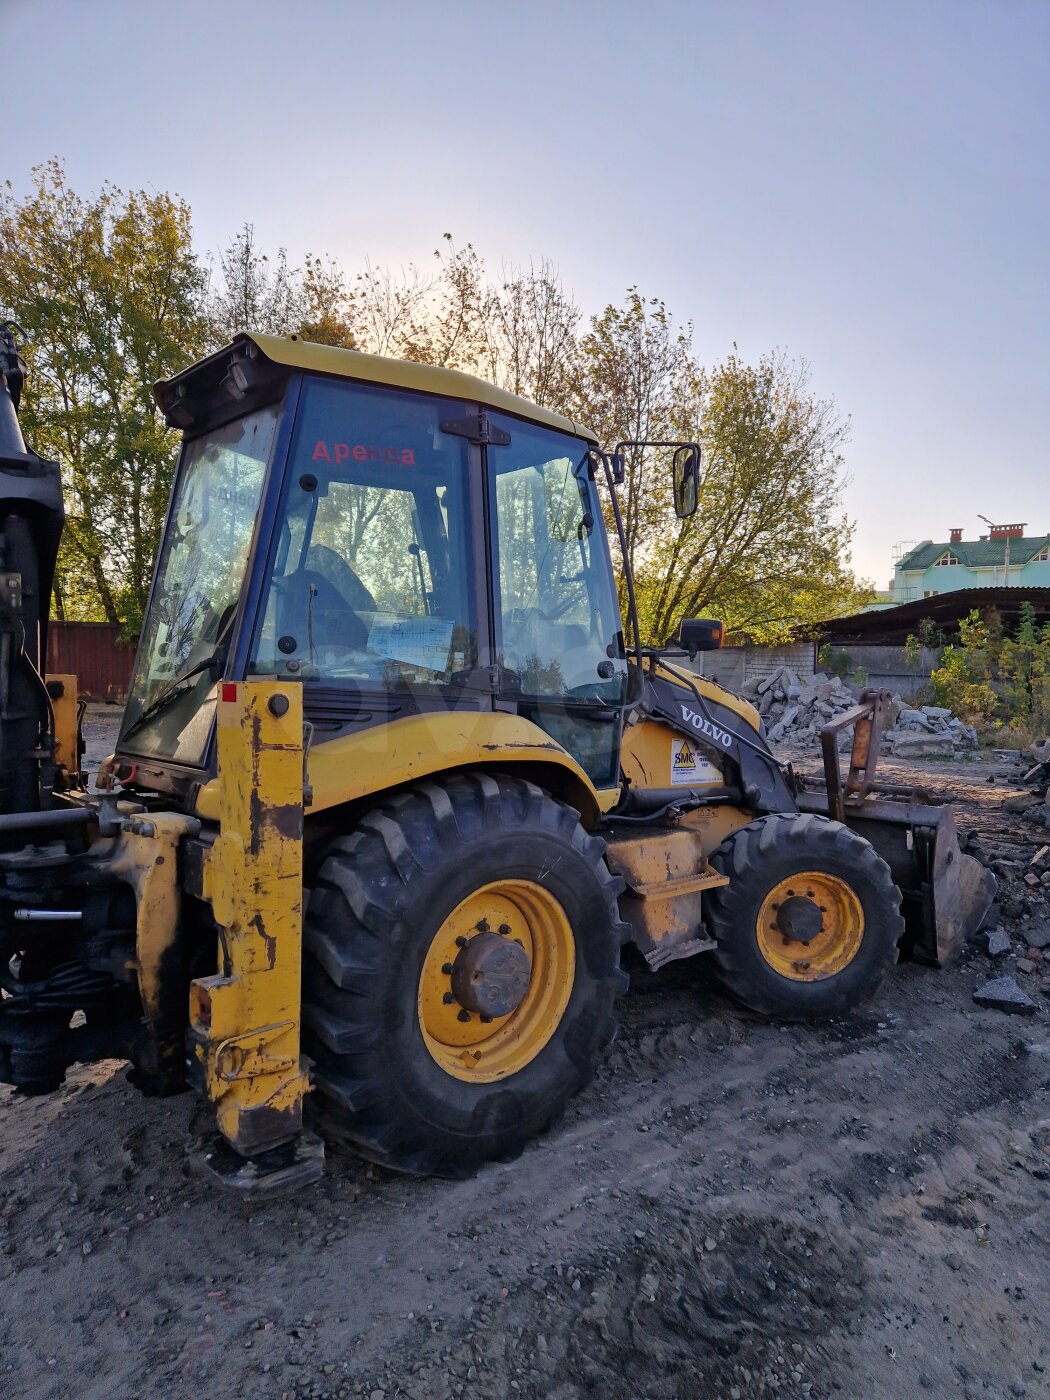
{"x": 733, "y": 1209}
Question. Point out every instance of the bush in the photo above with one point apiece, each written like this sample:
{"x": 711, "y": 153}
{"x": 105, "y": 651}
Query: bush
{"x": 994, "y": 680}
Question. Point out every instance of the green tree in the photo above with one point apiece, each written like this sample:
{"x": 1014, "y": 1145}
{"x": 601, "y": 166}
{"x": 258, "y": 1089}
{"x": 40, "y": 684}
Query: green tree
{"x": 111, "y": 297}
{"x": 768, "y": 546}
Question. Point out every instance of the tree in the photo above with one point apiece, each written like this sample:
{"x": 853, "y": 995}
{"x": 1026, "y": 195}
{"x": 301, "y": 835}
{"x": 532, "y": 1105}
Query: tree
{"x": 110, "y": 295}
{"x": 767, "y": 547}
{"x": 267, "y": 296}
{"x": 531, "y": 345}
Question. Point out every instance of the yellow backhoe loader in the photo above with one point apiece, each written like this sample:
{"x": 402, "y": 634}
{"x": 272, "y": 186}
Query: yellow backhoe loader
{"x": 394, "y": 784}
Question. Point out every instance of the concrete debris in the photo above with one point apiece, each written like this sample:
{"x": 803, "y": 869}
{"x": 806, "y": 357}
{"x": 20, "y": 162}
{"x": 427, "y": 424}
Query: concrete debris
{"x": 1038, "y": 937}
{"x": 1034, "y": 805}
{"x": 998, "y": 942}
{"x": 796, "y": 708}
{"x": 1003, "y": 994}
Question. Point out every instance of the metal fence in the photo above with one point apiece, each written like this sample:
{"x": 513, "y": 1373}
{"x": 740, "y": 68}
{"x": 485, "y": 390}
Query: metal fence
{"x": 95, "y": 654}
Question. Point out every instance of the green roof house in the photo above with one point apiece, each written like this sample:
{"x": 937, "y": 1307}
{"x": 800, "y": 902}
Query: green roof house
{"x": 1005, "y": 556}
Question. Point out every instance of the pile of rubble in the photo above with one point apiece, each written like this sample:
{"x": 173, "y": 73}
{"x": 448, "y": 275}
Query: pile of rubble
{"x": 1034, "y": 805}
{"x": 796, "y": 709}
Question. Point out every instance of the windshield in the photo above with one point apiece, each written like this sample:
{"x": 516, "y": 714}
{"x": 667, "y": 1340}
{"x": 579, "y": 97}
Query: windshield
{"x": 197, "y": 587}
{"x": 371, "y": 580}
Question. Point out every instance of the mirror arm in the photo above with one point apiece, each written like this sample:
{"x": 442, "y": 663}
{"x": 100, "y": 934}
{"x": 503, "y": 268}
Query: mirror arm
{"x": 632, "y": 607}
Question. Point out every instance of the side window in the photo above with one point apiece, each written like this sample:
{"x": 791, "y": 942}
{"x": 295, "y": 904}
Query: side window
{"x": 558, "y": 627}
{"x": 371, "y": 576}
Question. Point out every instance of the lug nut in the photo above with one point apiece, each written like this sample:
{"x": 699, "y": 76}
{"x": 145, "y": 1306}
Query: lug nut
{"x": 463, "y": 1016}
{"x": 448, "y": 998}
{"x": 504, "y": 929}
{"x": 486, "y": 1020}
{"x": 446, "y": 968}
{"x": 461, "y": 942}
{"x": 482, "y": 926}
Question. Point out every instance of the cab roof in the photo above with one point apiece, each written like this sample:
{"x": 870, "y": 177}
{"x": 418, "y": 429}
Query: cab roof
{"x": 295, "y": 354}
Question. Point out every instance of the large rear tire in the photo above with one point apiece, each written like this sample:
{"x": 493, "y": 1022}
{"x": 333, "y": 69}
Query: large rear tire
{"x": 809, "y": 923}
{"x": 461, "y": 956}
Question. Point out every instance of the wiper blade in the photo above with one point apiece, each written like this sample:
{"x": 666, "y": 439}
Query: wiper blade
{"x": 176, "y": 688}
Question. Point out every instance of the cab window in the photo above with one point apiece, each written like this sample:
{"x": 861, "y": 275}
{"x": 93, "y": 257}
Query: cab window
{"x": 370, "y": 581}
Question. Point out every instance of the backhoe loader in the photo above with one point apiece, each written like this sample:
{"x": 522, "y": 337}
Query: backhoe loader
{"x": 395, "y": 783}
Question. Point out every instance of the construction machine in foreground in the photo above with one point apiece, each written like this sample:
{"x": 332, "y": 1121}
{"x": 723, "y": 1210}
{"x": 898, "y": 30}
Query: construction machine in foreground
{"x": 395, "y": 784}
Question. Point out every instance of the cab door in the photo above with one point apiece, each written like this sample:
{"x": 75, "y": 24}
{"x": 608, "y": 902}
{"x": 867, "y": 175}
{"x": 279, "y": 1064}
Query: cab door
{"x": 558, "y": 638}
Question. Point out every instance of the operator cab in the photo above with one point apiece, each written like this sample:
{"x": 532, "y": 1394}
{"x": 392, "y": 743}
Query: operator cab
{"x": 393, "y": 548}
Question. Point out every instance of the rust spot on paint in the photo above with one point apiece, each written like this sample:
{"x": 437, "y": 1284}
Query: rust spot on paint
{"x": 269, "y": 939}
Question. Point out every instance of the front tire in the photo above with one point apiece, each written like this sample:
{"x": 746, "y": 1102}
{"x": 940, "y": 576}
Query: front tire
{"x": 461, "y": 956}
{"x": 809, "y": 923}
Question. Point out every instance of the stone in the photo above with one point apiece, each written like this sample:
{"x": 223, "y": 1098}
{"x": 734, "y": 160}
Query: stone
{"x": 770, "y": 681}
{"x": 1038, "y": 937}
{"x": 1025, "y": 965}
{"x": 825, "y": 689}
{"x": 807, "y": 695}
{"x": 936, "y": 712}
{"x": 1003, "y": 994}
{"x": 794, "y": 691}
{"x": 790, "y": 715}
{"x": 998, "y": 943}
{"x": 1026, "y": 802}
{"x": 911, "y": 745}
{"x": 914, "y": 717}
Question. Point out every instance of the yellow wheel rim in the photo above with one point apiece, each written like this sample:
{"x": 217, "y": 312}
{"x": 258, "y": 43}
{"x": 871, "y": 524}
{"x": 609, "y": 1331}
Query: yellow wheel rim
{"x": 836, "y": 943}
{"x": 480, "y": 1050}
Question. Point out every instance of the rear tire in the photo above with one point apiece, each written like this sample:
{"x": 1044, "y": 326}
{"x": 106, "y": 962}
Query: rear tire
{"x": 834, "y": 879}
{"x": 377, "y": 931}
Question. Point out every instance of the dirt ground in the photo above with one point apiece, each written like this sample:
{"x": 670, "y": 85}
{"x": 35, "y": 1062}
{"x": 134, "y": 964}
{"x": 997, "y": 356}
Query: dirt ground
{"x": 732, "y": 1209}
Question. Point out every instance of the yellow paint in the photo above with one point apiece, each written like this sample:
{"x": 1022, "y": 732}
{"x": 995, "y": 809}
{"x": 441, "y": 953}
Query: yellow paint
{"x": 480, "y": 1052}
{"x": 833, "y": 948}
{"x": 406, "y": 750}
{"x": 666, "y": 872}
{"x": 713, "y": 825}
{"x": 244, "y": 1022}
{"x": 65, "y": 708}
{"x": 309, "y": 358}
{"x": 709, "y": 689}
{"x": 646, "y": 757}
{"x": 146, "y": 858}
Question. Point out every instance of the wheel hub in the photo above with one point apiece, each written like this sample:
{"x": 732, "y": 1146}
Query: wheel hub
{"x": 491, "y": 975}
{"x": 800, "y": 919}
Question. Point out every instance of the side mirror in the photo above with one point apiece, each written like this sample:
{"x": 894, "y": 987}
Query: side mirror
{"x": 618, "y": 463}
{"x": 685, "y": 474}
{"x": 699, "y": 634}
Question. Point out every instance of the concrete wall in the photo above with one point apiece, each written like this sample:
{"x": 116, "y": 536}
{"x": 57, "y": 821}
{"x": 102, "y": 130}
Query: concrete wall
{"x": 732, "y": 666}
{"x": 887, "y": 667}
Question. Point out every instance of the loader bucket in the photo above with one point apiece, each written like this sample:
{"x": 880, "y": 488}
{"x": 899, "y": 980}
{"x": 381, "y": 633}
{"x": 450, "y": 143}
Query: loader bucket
{"x": 946, "y": 895}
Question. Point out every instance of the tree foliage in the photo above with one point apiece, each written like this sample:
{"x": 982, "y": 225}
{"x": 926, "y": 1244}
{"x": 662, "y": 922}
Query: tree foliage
{"x": 113, "y": 296}
{"x": 767, "y": 546}
{"x": 997, "y": 679}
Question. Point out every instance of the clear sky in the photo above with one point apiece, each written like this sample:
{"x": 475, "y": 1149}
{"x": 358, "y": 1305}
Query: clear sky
{"x": 866, "y": 185}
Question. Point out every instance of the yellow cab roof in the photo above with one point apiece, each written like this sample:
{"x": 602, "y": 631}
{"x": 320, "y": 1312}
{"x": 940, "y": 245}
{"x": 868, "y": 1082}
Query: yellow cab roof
{"x": 309, "y": 358}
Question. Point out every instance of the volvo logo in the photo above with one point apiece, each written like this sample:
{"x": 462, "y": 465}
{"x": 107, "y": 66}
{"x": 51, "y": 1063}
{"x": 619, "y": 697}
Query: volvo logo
{"x": 704, "y": 726}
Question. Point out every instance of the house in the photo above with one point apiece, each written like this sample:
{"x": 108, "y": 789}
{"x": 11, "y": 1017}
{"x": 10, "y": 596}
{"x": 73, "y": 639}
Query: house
{"x": 1005, "y": 557}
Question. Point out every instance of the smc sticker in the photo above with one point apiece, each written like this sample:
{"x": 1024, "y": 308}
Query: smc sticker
{"x": 689, "y": 767}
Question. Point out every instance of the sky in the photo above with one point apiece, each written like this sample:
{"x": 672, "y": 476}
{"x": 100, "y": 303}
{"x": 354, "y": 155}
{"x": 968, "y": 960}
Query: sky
{"x": 865, "y": 186}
